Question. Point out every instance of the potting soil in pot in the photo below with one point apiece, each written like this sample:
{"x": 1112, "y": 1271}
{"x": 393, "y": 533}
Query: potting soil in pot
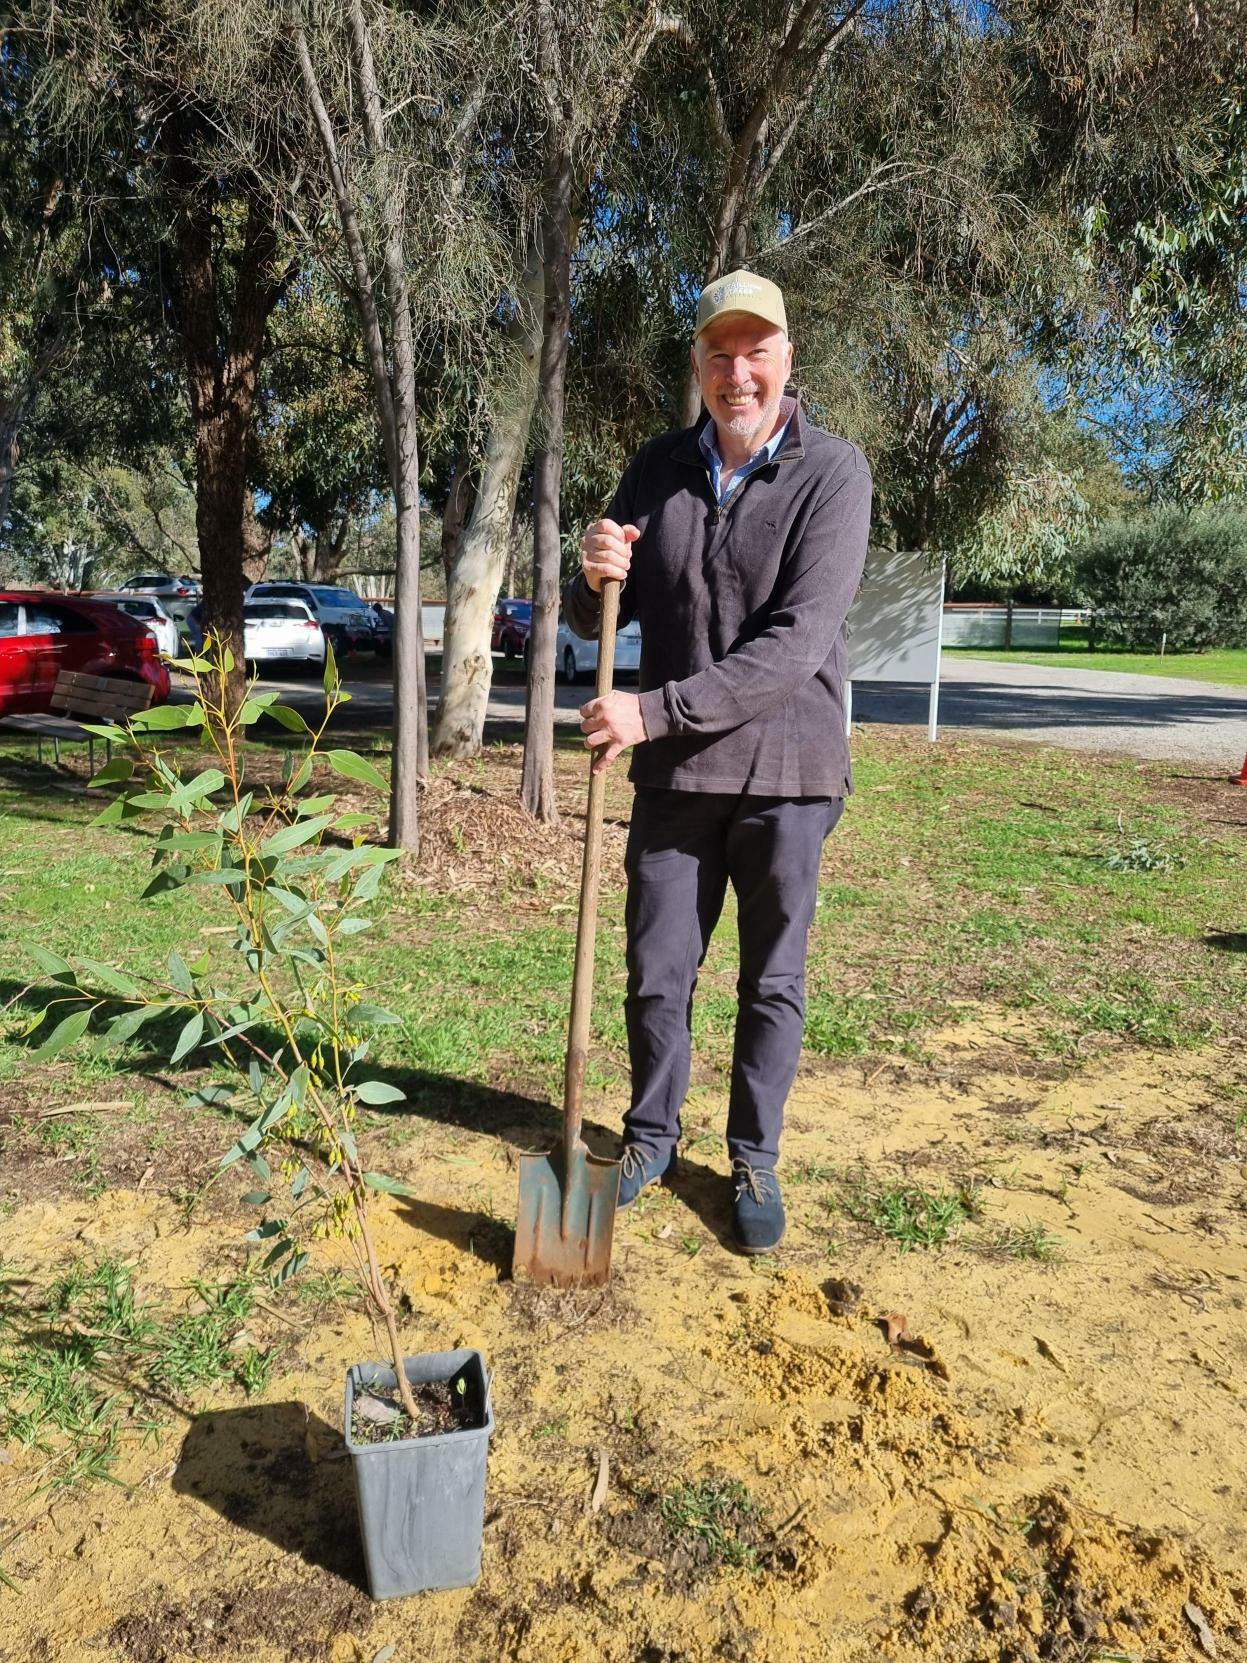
{"x": 378, "y": 1417}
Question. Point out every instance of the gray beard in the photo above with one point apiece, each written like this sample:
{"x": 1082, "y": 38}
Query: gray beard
{"x": 741, "y": 428}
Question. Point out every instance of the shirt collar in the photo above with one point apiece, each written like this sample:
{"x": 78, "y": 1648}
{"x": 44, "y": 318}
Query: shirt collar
{"x": 708, "y": 441}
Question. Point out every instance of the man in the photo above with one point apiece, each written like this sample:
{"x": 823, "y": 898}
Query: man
{"x": 739, "y": 544}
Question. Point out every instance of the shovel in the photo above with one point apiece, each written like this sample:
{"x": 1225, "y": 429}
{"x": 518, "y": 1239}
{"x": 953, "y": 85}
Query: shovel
{"x": 566, "y": 1215}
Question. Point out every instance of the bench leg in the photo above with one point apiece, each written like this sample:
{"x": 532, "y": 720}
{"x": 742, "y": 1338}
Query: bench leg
{"x": 56, "y": 751}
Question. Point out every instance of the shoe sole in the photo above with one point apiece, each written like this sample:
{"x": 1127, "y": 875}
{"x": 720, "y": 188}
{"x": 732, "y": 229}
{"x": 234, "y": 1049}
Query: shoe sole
{"x": 755, "y": 1252}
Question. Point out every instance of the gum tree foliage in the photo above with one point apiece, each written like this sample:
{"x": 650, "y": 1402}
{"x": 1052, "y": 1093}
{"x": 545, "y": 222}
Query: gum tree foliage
{"x": 1171, "y": 575}
{"x": 281, "y": 1017}
{"x": 129, "y": 83}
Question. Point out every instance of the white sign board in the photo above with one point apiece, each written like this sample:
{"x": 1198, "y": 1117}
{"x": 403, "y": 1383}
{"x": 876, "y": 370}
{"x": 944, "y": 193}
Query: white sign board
{"x": 895, "y": 625}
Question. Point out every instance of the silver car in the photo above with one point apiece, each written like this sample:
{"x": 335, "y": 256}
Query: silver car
{"x": 574, "y": 657}
{"x": 282, "y": 630}
{"x": 344, "y": 616}
{"x": 148, "y": 610}
{"x": 177, "y": 595}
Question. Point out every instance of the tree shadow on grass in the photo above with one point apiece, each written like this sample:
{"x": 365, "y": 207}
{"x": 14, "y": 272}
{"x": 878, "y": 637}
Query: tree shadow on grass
{"x": 273, "y": 1469}
{"x": 1226, "y": 941}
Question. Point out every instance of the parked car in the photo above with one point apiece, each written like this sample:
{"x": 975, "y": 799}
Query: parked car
{"x": 151, "y": 612}
{"x": 176, "y": 594}
{"x": 41, "y": 635}
{"x": 282, "y": 629}
{"x": 341, "y": 613}
{"x": 513, "y": 623}
{"x": 574, "y": 657}
{"x": 382, "y": 629}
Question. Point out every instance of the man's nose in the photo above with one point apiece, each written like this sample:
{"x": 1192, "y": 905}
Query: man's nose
{"x": 741, "y": 371}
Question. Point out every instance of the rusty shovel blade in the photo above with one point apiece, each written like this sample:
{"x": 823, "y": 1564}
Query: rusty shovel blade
{"x": 566, "y": 1218}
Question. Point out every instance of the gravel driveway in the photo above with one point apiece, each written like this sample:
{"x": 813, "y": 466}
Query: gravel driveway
{"x": 1093, "y": 710}
{"x": 1088, "y": 710}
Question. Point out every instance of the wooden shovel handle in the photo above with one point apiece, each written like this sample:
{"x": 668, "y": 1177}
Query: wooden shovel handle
{"x": 590, "y": 874}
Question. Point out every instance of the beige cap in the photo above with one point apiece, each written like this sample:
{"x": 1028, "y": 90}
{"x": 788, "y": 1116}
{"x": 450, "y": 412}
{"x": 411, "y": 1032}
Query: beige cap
{"x": 741, "y": 291}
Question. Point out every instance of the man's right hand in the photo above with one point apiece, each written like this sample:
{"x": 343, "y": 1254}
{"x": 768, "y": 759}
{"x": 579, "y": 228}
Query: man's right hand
{"x": 606, "y": 552}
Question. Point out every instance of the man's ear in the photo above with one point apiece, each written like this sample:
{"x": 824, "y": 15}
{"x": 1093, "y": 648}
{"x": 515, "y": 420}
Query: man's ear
{"x": 692, "y": 358}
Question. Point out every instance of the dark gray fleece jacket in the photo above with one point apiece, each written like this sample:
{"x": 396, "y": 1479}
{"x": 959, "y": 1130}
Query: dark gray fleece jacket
{"x": 742, "y": 613}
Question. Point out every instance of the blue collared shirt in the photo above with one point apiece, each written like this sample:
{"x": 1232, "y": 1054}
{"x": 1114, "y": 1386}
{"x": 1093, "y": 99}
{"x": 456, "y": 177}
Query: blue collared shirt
{"x": 708, "y": 440}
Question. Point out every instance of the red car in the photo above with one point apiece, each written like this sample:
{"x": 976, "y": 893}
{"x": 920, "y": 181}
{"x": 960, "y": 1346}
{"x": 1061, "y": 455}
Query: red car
{"x": 513, "y": 623}
{"x": 41, "y": 635}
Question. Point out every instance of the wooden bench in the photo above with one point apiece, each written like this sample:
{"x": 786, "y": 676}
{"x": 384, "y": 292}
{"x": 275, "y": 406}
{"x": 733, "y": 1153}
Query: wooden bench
{"x": 76, "y": 698}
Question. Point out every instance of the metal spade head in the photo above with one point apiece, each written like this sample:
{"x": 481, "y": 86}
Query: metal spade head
{"x": 566, "y": 1217}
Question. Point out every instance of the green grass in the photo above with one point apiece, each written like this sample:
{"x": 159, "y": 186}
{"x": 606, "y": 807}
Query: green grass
{"x": 1026, "y": 1241}
{"x": 708, "y": 1515}
{"x": 907, "y": 1214}
{"x": 1226, "y": 666}
{"x": 83, "y": 1363}
{"x": 961, "y": 876}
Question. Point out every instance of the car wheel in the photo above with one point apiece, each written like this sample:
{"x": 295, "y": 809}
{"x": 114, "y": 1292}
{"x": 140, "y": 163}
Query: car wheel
{"x": 569, "y": 666}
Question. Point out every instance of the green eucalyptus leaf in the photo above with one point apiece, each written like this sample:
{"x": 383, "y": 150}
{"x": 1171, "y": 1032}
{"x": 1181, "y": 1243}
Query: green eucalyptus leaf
{"x": 262, "y": 1232}
{"x": 289, "y": 719}
{"x": 189, "y": 1038}
{"x": 293, "y": 1265}
{"x": 58, "y": 968}
{"x": 126, "y": 1025}
{"x": 351, "y": 766}
{"x": 115, "y": 980}
{"x": 66, "y": 1032}
{"x": 165, "y": 718}
{"x": 291, "y": 837}
{"x": 315, "y": 805}
{"x": 389, "y": 1186}
{"x": 121, "y": 768}
{"x": 179, "y": 975}
{"x": 374, "y": 1016}
{"x": 377, "y": 1091}
{"x": 353, "y": 926}
{"x": 257, "y": 1198}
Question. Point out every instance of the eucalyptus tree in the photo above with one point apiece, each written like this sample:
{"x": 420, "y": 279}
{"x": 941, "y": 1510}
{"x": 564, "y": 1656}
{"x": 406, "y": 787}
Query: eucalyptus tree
{"x": 585, "y": 61}
{"x": 130, "y": 85}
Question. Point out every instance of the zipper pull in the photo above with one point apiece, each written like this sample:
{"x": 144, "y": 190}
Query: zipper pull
{"x": 714, "y": 516}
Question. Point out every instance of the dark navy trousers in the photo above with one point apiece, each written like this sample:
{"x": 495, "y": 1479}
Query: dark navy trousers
{"x": 684, "y": 847}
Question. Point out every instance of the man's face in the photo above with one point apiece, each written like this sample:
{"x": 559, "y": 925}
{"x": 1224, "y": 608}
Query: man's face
{"x": 742, "y": 365}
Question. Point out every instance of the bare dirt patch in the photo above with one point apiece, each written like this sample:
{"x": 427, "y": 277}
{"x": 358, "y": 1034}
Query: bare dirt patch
{"x": 1045, "y": 1465}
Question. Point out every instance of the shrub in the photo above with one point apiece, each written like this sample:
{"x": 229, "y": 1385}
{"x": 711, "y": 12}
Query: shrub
{"x": 1180, "y": 576}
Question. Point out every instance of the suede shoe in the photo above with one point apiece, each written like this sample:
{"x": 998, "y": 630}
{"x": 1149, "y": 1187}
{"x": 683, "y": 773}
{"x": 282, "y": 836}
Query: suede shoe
{"x": 643, "y": 1166}
{"x": 757, "y": 1208}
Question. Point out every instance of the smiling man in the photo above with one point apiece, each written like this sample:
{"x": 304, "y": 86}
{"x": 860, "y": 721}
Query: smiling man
{"x": 739, "y": 543}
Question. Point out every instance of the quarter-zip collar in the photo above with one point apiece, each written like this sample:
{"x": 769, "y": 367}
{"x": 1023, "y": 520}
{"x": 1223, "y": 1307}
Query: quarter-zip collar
{"x": 687, "y": 447}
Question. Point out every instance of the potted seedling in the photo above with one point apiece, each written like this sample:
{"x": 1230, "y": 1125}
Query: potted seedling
{"x": 290, "y": 1027}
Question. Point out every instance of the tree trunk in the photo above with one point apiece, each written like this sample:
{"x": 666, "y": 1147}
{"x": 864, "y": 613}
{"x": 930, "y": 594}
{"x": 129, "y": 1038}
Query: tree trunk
{"x": 459, "y": 500}
{"x": 222, "y": 378}
{"x": 537, "y": 783}
{"x": 472, "y": 589}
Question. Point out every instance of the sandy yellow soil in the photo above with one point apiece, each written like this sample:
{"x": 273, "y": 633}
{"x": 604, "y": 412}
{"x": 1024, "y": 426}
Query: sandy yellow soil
{"x": 1054, "y": 1467}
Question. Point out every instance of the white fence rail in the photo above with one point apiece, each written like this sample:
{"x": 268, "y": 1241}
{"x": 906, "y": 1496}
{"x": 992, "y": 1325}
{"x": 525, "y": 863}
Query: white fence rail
{"x": 989, "y": 626}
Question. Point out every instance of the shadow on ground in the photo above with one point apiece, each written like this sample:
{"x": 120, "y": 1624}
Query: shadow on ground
{"x": 273, "y": 1470}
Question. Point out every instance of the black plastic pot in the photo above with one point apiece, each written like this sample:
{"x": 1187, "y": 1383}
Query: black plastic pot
{"x": 422, "y": 1500}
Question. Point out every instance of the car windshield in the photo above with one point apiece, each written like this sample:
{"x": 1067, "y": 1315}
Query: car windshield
{"x": 269, "y": 591}
{"x": 274, "y": 609}
{"x": 153, "y": 580}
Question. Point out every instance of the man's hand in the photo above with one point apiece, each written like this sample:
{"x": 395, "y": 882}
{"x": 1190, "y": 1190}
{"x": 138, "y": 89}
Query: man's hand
{"x": 606, "y": 552}
{"x": 610, "y": 725}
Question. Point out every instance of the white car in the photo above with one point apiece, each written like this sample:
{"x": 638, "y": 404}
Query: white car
{"x": 344, "y": 617}
{"x": 177, "y": 595}
{"x": 276, "y": 629}
{"x": 151, "y": 612}
{"x": 575, "y": 657}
